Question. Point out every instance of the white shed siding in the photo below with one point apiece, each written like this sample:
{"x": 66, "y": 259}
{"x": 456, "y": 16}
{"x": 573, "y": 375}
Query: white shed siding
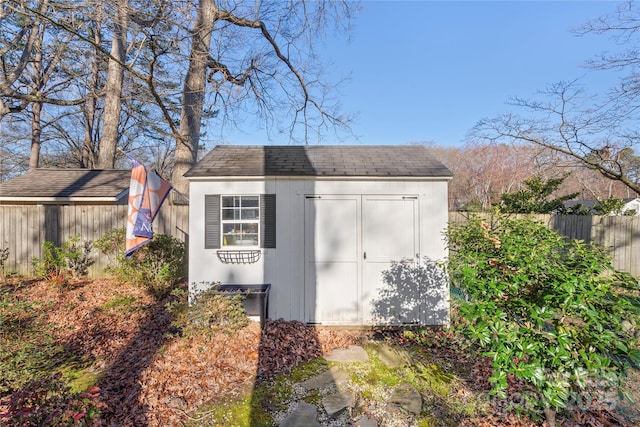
{"x": 284, "y": 266}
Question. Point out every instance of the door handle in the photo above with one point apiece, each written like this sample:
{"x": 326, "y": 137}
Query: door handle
{"x": 365, "y": 255}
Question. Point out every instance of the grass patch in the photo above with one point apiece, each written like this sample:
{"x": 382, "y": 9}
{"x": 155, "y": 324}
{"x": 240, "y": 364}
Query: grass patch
{"x": 121, "y": 302}
{"x": 274, "y": 396}
{"x": 27, "y": 348}
{"x": 430, "y": 376}
{"x": 375, "y": 374}
{"x": 308, "y": 369}
{"x": 80, "y": 376}
{"x": 427, "y": 422}
{"x": 243, "y": 411}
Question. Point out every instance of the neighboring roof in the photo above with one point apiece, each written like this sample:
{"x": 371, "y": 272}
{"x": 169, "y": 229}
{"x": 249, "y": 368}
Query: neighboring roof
{"x": 62, "y": 185}
{"x": 592, "y": 203}
{"x": 320, "y": 160}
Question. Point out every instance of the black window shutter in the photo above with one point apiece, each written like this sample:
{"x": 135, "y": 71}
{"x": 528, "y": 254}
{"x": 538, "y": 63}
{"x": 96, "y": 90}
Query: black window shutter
{"x": 212, "y": 221}
{"x": 268, "y": 221}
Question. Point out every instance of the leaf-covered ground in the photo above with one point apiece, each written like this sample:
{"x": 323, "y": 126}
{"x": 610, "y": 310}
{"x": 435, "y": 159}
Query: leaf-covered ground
{"x": 121, "y": 339}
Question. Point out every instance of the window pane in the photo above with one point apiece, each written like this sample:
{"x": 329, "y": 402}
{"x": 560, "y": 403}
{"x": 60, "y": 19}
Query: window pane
{"x": 228, "y": 201}
{"x": 230, "y": 234}
{"x": 249, "y": 234}
{"x": 251, "y": 213}
{"x": 240, "y": 234}
{"x": 250, "y": 228}
{"x": 248, "y": 240}
{"x": 230, "y": 214}
{"x": 231, "y": 229}
{"x": 250, "y": 202}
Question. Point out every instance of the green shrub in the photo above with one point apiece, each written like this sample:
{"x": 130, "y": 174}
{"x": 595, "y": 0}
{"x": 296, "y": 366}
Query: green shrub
{"x": 552, "y": 312}
{"x": 50, "y": 261}
{"x": 158, "y": 265}
{"x": 50, "y": 402}
{"x": 73, "y": 258}
{"x": 209, "y": 312}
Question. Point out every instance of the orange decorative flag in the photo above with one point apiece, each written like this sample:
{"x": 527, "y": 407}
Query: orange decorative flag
{"x": 147, "y": 192}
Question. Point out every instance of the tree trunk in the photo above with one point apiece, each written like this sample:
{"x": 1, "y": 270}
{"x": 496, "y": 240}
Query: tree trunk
{"x": 193, "y": 98}
{"x": 113, "y": 89}
{"x": 36, "y": 107}
{"x": 88, "y": 145}
{"x": 36, "y": 132}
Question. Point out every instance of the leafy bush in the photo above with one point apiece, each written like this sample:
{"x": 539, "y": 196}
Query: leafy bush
{"x": 73, "y": 258}
{"x": 50, "y": 402}
{"x": 158, "y": 265}
{"x": 209, "y": 312}
{"x": 549, "y": 311}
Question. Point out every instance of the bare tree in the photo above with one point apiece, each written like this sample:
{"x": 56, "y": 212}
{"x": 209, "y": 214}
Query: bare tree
{"x": 271, "y": 66}
{"x": 482, "y": 172}
{"x": 601, "y": 132}
{"x": 566, "y": 120}
{"x": 232, "y": 59}
{"x": 36, "y": 65}
{"x": 623, "y": 27}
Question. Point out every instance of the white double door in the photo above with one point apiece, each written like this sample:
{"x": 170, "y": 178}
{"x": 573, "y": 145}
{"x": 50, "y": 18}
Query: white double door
{"x": 349, "y": 241}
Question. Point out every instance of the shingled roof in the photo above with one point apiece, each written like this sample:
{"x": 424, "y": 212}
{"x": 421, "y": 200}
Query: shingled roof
{"x": 319, "y": 160}
{"x": 68, "y": 185}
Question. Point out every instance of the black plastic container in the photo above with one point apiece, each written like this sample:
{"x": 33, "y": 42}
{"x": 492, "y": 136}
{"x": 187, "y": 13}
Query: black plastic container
{"x": 255, "y": 301}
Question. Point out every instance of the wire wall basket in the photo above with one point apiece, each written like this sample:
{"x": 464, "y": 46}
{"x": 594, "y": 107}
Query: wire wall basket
{"x": 238, "y": 256}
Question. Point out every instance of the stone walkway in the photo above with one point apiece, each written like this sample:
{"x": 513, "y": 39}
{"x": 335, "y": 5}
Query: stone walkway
{"x": 338, "y": 402}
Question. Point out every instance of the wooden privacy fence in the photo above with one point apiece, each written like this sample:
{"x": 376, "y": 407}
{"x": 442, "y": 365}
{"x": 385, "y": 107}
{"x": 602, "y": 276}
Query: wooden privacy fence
{"x": 23, "y": 229}
{"x": 618, "y": 234}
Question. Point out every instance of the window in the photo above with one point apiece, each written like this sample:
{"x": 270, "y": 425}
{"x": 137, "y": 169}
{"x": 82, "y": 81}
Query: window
{"x": 234, "y": 222}
{"x": 240, "y": 220}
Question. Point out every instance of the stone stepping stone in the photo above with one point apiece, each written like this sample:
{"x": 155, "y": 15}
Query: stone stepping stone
{"x": 335, "y": 376}
{"x": 335, "y": 403}
{"x": 407, "y": 397}
{"x": 392, "y": 357}
{"x": 305, "y": 415}
{"x": 365, "y": 422}
{"x": 353, "y": 353}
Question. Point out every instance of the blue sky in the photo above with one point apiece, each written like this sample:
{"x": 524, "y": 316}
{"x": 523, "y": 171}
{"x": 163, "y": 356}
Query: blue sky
{"x": 429, "y": 70}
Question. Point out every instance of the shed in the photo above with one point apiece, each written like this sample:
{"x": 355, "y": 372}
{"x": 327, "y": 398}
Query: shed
{"x": 323, "y": 225}
{"x": 67, "y": 187}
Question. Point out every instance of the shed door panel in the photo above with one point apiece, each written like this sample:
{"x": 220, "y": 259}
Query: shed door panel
{"x": 332, "y": 254}
{"x": 390, "y": 233}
